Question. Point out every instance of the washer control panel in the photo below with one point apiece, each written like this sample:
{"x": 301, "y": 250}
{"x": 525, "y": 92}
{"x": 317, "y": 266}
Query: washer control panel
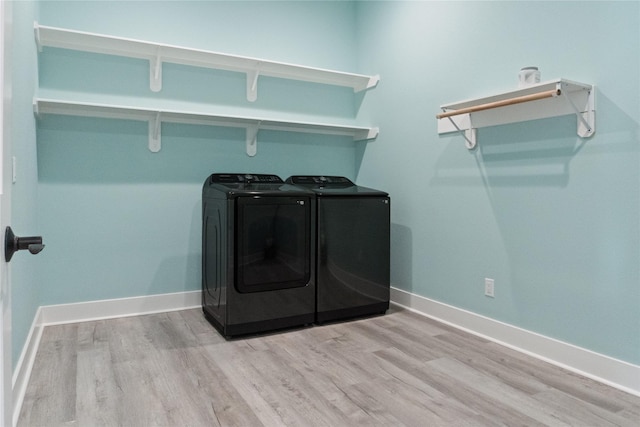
{"x": 245, "y": 178}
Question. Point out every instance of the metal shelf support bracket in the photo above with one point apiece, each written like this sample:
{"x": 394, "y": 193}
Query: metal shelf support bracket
{"x": 468, "y": 134}
{"x": 586, "y": 119}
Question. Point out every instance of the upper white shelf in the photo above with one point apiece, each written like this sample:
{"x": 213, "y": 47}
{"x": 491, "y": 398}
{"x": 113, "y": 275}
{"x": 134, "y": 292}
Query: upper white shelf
{"x": 155, "y": 117}
{"x": 157, "y": 53}
{"x": 549, "y": 99}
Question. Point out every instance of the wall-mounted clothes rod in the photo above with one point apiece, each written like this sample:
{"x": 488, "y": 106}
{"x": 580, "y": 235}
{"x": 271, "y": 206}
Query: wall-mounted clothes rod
{"x": 503, "y": 103}
{"x": 544, "y": 100}
{"x": 157, "y": 53}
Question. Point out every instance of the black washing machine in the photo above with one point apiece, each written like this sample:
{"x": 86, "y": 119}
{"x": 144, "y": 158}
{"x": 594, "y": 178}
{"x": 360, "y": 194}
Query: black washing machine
{"x": 258, "y": 251}
{"x": 353, "y": 247}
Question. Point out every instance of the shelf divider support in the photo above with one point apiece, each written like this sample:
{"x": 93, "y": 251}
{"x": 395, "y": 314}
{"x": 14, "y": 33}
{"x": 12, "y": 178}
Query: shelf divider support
{"x": 252, "y": 84}
{"x": 155, "y": 133}
{"x": 252, "y": 139}
{"x": 36, "y": 109}
{"x": 155, "y": 73}
{"x": 36, "y": 30}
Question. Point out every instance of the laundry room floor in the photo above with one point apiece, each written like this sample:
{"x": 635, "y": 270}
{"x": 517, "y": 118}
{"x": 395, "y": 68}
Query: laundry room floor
{"x": 174, "y": 369}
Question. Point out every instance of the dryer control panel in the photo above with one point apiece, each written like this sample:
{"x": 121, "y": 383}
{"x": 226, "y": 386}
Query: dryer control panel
{"x": 319, "y": 180}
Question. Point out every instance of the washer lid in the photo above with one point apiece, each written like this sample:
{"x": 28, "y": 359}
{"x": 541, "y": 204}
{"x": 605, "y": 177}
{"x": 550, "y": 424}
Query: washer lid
{"x": 245, "y": 184}
{"x": 244, "y": 178}
{"x": 324, "y": 185}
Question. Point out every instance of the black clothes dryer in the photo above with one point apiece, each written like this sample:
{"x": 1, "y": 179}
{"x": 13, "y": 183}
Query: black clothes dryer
{"x": 258, "y": 251}
{"x": 352, "y": 253}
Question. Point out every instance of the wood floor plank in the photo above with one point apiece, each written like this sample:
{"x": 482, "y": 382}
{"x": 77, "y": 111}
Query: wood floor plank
{"x": 51, "y": 395}
{"x": 485, "y": 361}
{"x": 582, "y": 412}
{"x": 250, "y": 385}
{"x": 571, "y": 383}
{"x": 315, "y": 361}
{"x": 390, "y": 338}
{"x": 449, "y": 410}
{"x": 201, "y": 386}
{"x": 401, "y": 369}
{"x": 98, "y": 395}
{"x": 497, "y": 392}
{"x": 369, "y": 399}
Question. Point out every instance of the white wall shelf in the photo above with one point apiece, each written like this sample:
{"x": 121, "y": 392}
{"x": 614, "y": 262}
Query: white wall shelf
{"x": 549, "y": 99}
{"x": 155, "y": 117}
{"x": 157, "y": 53}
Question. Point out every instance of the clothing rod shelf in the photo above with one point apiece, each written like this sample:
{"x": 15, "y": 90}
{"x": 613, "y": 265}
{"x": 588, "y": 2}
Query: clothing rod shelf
{"x": 157, "y": 53}
{"x": 155, "y": 117}
{"x": 554, "y": 98}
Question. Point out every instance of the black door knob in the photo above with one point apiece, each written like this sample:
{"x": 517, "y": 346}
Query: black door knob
{"x": 12, "y": 244}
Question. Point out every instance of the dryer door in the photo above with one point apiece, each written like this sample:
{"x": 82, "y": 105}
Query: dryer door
{"x": 273, "y": 243}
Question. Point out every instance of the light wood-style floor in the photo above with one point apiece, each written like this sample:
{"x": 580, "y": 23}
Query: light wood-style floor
{"x": 173, "y": 369}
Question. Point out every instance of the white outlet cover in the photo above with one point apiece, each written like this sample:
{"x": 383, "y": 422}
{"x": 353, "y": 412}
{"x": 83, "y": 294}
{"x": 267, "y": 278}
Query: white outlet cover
{"x": 489, "y": 287}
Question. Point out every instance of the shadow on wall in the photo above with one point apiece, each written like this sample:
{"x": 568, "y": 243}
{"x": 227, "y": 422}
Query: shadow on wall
{"x": 534, "y": 153}
{"x": 101, "y": 151}
{"x": 90, "y": 150}
{"x": 401, "y": 257}
{"x": 185, "y": 271}
{"x": 360, "y": 146}
{"x": 565, "y": 243}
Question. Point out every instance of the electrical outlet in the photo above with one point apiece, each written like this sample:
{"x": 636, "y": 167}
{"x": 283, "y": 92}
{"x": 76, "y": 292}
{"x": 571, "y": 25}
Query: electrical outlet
{"x": 488, "y": 287}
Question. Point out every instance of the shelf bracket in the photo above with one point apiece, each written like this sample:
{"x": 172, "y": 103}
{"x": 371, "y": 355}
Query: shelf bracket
{"x": 468, "y": 134}
{"x": 252, "y": 139}
{"x": 586, "y": 119}
{"x": 36, "y": 109}
{"x": 155, "y": 73}
{"x": 252, "y": 83}
{"x": 155, "y": 133}
{"x": 36, "y": 32}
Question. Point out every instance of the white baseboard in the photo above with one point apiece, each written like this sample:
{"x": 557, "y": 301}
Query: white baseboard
{"x": 616, "y": 373}
{"x": 24, "y": 366}
{"x": 121, "y": 307}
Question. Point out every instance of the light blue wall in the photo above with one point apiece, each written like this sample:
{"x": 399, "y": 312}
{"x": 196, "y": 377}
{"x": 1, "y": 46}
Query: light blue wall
{"x": 553, "y": 219}
{"x": 24, "y": 206}
{"x": 121, "y": 221}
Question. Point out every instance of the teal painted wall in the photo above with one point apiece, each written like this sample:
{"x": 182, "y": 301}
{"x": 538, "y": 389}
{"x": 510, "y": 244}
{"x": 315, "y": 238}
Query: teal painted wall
{"x": 553, "y": 219}
{"x": 121, "y": 221}
{"x": 24, "y": 207}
